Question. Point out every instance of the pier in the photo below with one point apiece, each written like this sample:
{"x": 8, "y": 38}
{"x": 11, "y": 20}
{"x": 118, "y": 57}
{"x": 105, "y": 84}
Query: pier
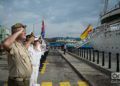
{"x": 75, "y": 68}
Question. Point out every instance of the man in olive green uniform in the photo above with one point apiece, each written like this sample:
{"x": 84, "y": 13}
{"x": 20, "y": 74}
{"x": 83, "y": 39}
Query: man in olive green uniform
{"x": 19, "y": 63}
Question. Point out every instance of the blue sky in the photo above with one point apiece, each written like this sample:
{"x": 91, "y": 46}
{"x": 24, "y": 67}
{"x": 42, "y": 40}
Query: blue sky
{"x": 62, "y": 17}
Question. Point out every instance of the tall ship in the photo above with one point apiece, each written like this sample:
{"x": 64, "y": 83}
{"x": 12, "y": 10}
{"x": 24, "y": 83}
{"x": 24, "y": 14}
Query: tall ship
{"x": 106, "y": 36}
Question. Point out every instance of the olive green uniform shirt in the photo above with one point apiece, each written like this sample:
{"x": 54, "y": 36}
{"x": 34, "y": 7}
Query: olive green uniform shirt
{"x": 19, "y": 63}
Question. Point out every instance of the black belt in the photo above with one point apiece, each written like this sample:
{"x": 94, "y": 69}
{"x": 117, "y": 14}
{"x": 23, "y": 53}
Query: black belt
{"x": 19, "y": 79}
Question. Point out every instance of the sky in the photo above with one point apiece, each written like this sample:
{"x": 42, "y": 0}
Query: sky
{"x": 62, "y": 17}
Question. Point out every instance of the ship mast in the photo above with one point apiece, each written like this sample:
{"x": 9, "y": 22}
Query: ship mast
{"x": 105, "y": 6}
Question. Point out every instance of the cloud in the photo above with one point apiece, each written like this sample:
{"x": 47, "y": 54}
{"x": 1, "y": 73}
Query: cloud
{"x": 1, "y": 7}
{"x": 21, "y": 3}
{"x": 64, "y": 29}
{"x": 14, "y": 17}
{"x": 62, "y": 17}
{"x": 1, "y": 13}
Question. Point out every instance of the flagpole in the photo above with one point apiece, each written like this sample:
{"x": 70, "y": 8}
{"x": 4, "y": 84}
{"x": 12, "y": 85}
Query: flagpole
{"x": 33, "y": 29}
{"x": 43, "y": 29}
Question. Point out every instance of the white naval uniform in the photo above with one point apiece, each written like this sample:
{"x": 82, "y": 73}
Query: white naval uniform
{"x": 35, "y": 59}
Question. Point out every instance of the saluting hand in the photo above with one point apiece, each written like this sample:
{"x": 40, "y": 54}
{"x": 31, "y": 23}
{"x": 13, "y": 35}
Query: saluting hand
{"x": 20, "y": 30}
{"x": 32, "y": 39}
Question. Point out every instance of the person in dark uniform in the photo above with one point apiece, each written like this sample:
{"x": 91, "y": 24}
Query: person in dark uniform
{"x": 64, "y": 49}
{"x": 45, "y": 51}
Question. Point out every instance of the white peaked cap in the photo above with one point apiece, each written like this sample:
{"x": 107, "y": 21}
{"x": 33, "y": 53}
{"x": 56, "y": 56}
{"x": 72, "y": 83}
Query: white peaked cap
{"x": 36, "y": 38}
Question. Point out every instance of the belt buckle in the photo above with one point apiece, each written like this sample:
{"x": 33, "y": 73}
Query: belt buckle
{"x": 25, "y": 79}
{"x": 19, "y": 79}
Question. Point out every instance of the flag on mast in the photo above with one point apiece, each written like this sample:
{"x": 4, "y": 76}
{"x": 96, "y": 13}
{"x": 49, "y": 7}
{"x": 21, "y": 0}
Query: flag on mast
{"x": 43, "y": 29}
{"x": 86, "y": 32}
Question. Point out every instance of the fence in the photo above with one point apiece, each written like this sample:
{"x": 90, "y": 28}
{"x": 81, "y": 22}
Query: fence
{"x": 107, "y": 60}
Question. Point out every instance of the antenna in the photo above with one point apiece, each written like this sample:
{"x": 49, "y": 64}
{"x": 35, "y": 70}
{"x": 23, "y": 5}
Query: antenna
{"x": 105, "y": 6}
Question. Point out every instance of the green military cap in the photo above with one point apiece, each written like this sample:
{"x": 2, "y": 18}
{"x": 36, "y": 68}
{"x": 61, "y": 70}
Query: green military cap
{"x": 18, "y": 25}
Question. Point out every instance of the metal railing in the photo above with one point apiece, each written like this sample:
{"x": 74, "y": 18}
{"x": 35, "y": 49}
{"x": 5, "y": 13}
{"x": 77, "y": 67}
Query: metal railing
{"x": 107, "y": 60}
{"x": 117, "y": 6}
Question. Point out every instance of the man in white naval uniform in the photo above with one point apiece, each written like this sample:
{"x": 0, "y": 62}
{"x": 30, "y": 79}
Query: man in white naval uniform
{"x": 43, "y": 49}
{"x": 34, "y": 50}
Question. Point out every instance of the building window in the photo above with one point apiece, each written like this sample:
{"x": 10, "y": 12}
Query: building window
{"x": 110, "y": 34}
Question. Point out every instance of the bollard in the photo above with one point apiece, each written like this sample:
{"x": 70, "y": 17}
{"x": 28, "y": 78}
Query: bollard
{"x": 103, "y": 59}
{"x": 84, "y": 53}
{"x": 76, "y": 51}
{"x": 90, "y": 54}
{"x": 80, "y": 52}
{"x": 71, "y": 50}
{"x": 97, "y": 57}
{"x": 93, "y": 55}
{"x": 87, "y": 54}
{"x": 117, "y": 67}
{"x": 109, "y": 64}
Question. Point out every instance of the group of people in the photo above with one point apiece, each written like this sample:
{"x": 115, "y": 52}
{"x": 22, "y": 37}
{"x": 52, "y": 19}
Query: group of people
{"x": 26, "y": 55}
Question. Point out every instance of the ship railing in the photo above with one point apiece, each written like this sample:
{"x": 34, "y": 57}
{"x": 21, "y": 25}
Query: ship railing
{"x": 117, "y": 6}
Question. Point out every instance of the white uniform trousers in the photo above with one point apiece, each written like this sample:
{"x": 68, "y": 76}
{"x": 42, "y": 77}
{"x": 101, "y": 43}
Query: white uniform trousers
{"x": 34, "y": 76}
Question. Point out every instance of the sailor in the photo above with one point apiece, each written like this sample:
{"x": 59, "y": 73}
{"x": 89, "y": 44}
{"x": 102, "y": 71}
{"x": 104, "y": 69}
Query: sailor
{"x": 43, "y": 57}
{"x": 65, "y": 47}
{"x": 34, "y": 50}
{"x": 19, "y": 63}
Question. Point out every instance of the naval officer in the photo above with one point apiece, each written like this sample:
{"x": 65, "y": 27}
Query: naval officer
{"x": 19, "y": 63}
